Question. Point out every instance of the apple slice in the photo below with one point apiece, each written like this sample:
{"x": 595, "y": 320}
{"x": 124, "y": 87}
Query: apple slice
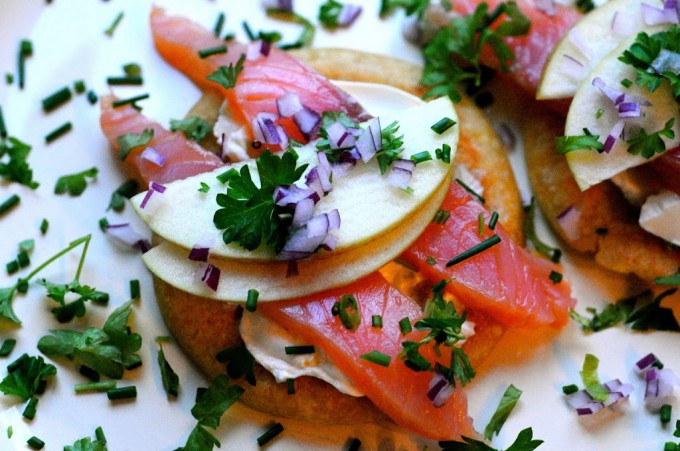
{"x": 170, "y": 263}
{"x": 369, "y": 207}
{"x": 590, "y": 167}
{"x": 591, "y": 38}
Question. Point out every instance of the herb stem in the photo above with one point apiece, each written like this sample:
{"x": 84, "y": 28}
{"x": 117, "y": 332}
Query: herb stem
{"x": 85, "y": 239}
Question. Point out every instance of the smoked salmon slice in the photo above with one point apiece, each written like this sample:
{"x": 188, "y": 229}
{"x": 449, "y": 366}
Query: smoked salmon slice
{"x": 397, "y": 390}
{"x": 504, "y": 281}
{"x": 262, "y": 81}
{"x": 183, "y": 157}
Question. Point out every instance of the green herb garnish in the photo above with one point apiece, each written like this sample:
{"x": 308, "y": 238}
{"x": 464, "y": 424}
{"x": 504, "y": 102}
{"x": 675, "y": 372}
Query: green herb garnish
{"x": 524, "y": 442}
{"x": 248, "y": 214}
{"x": 129, "y": 101}
{"x": 411, "y": 7}
{"x": 377, "y": 357}
{"x": 217, "y": 50}
{"x": 505, "y": 407}
{"x": 474, "y": 250}
{"x": 591, "y": 381}
{"x": 169, "y": 378}
{"x": 125, "y": 80}
{"x": 124, "y": 191}
{"x": 329, "y": 13}
{"x": 566, "y": 144}
{"x": 392, "y": 146}
{"x": 193, "y": 127}
{"x": 130, "y": 141}
{"x": 272, "y": 432}
{"x": 9, "y": 203}
{"x": 239, "y": 363}
{"x": 16, "y": 169}
{"x": 306, "y": 35}
{"x": 649, "y": 145}
{"x": 349, "y": 313}
{"x": 74, "y": 184}
{"x": 226, "y": 75}
{"x": 58, "y": 132}
{"x": 87, "y": 444}
{"x": 529, "y": 229}
{"x": 112, "y": 28}
{"x": 25, "y": 376}
{"x": 57, "y": 99}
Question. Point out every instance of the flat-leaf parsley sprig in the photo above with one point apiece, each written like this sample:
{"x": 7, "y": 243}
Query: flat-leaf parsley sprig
{"x": 7, "y": 294}
{"x": 249, "y": 215}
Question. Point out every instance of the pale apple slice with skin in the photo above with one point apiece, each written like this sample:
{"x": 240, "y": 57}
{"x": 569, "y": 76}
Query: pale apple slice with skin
{"x": 591, "y": 110}
{"x": 170, "y": 263}
{"x": 587, "y": 42}
{"x": 367, "y": 204}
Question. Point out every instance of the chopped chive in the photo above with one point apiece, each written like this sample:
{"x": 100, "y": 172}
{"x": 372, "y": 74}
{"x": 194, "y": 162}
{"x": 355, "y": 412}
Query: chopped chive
{"x": 35, "y": 443}
{"x": 226, "y": 176}
{"x": 44, "y": 225}
{"x": 555, "y": 276}
{"x": 56, "y": 99}
{"x": 217, "y": 50}
{"x": 9, "y": 78}
{"x": 22, "y": 285}
{"x": 99, "y": 386}
{"x": 112, "y": 28}
{"x": 25, "y": 50}
{"x": 405, "y": 325}
{"x": 297, "y": 350}
{"x": 133, "y": 365}
{"x": 103, "y": 224}
{"x": 29, "y": 411}
{"x": 58, "y": 132}
{"x": 12, "y": 267}
{"x": 7, "y": 347}
{"x": 376, "y": 321}
{"x": 421, "y": 157}
{"x": 23, "y": 259}
{"x": 134, "y": 289}
{"x": 377, "y": 357}
{"x": 569, "y": 389}
{"x": 130, "y": 101}
{"x": 26, "y": 245}
{"x": 132, "y": 69}
{"x": 480, "y": 224}
{"x": 670, "y": 446}
{"x": 484, "y": 245}
{"x": 626, "y": 83}
{"x": 92, "y": 97}
{"x": 444, "y": 153}
{"x": 164, "y": 339}
{"x": 10, "y": 431}
{"x": 431, "y": 260}
{"x": 251, "y": 302}
{"x": 471, "y": 191}
{"x": 3, "y": 128}
{"x": 204, "y": 188}
{"x": 79, "y": 86}
{"x": 217, "y": 30}
{"x": 129, "y": 80}
{"x": 666, "y": 413}
{"x": 348, "y": 311}
{"x": 493, "y": 220}
{"x": 127, "y": 392}
{"x": 272, "y": 432}
{"x": 354, "y": 445}
{"x": 88, "y": 373}
{"x": 99, "y": 433}
{"x": 441, "y": 217}
{"x": 442, "y": 125}
{"x": 290, "y": 386}
{"x": 8, "y": 204}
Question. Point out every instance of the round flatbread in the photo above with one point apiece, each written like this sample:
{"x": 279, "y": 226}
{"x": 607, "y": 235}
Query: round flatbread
{"x": 601, "y": 223}
{"x": 203, "y": 327}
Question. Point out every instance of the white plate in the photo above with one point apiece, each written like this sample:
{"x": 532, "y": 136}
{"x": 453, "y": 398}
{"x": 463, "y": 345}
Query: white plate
{"x": 69, "y": 45}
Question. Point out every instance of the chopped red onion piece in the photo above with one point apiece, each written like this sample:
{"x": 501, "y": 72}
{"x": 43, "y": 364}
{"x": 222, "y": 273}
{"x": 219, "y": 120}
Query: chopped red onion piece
{"x": 333, "y": 220}
{"x": 152, "y": 155}
{"x": 439, "y": 390}
{"x": 506, "y": 134}
{"x": 265, "y": 130}
{"x": 572, "y": 67}
{"x": 399, "y": 177}
{"x": 201, "y": 250}
{"x": 288, "y": 104}
{"x": 256, "y": 49}
{"x": 579, "y": 40}
{"x": 307, "y": 121}
{"x": 402, "y": 163}
{"x": 623, "y": 24}
{"x": 317, "y": 226}
{"x": 329, "y": 243}
{"x": 666, "y": 61}
{"x": 646, "y": 363}
{"x": 153, "y": 188}
{"x": 285, "y": 5}
{"x": 285, "y": 195}
{"x": 304, "y": 210}
{"x": 157, "y": 187}
{"x": 348, "y": 14}
{"x": 612, "y": 94}
{"x": 125, "y": 234}
{"x": 283, "y": 136}
{"x": 319, "y": 179}
{"x": 339, "y": 137}
{"x": 209, "y": 275}
{"x": 339, "y": 170}
{"x": 370, "y": 140}
{"x": 584, "y": 404}
{"x": 614, "y": 135}
{"x": 655, "y": 16}
{"x": 629, "y": 109}
{"x": 660, "y": 387}
{"x": 548, "y": 7}
{"x": 569, "y": 222}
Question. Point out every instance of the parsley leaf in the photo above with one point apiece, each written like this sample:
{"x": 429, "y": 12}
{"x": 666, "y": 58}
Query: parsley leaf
{"x": 68, "y": 310}
{"x": 641, "y": 312}
{"x": 169, "y": 378}
{"x": 649, "y": 145}
{"x": 124, "y": 191}
{"x": 193, "y": 127}
{"x": 130, "y": 141}
{"x": 647, "y": 52}
{"x": 25, "y": 376}
{"x": 200, "y": 439}
{"x": 215, "y": 401}
{"x": 566, "y": 144}
{"x": 226, "y": 76}
{"x": 87, "y": 444}
{"x": 239, "y": 362}
{"x": 452, "y": 56}
{"x": 411, "y": 7}
{"x": 75, "y": 184}
{"x": 6, "y": 310}
{"x": 248, "y": 214}
{"x": 16, "y": 168}
{"x": 506, "y": 405}
{"x": 108, "y": 351}
{"x": 524, "y": 442}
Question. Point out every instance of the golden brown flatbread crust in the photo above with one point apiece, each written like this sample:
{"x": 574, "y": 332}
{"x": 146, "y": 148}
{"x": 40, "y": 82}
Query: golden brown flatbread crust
{"x": 607, "y": 227}
{"x": 203, "y": 327}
